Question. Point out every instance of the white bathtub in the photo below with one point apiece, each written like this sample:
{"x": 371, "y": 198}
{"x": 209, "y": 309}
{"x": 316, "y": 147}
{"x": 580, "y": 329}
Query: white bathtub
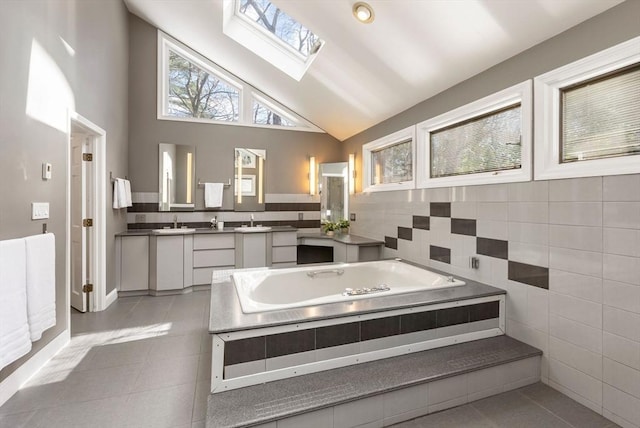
{"x": 261, "y": 290}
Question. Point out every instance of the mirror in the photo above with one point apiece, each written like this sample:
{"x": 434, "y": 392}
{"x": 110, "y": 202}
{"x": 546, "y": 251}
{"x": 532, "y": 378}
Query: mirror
{"x": 248, "y": 188}
{"x": 176, "y": 178}
{"x": 333, "y": 184}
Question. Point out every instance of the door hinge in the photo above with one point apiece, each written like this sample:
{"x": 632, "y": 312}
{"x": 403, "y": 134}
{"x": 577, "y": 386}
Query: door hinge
{"x": 87, "y": 222}
{"x": 88, "y": 157}
{"x": 87, "y": 288}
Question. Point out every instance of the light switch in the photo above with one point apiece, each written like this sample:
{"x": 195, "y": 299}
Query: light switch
{"x": 39, "y": 210}
{"x": 46, "y": 171}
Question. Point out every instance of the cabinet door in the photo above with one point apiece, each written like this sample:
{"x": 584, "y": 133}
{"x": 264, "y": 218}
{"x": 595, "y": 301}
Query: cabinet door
{"x": 134, "y": 263}
{"x": 170, "y": 263}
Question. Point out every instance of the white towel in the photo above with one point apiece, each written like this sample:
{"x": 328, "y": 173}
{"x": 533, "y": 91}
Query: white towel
{"x": 213, "y": 195}
{"x": 41, "y": 283}
{"x": 14, "y": 329}
{"x": 127, "y": 194}
{"x": 119, "y": 193}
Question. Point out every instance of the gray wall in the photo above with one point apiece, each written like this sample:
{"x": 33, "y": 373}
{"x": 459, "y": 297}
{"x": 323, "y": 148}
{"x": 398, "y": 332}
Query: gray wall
{"x": 287, "y": 151}
{"x": 97, "y": 77}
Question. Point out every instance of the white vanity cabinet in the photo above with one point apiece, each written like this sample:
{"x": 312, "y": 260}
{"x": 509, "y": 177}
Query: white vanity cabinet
{"x": 284, "y": 249}
{"x": 170, "y": 262}
{"x": 253, "y": 249}
{"x": 212, "y": 251}
{"x": 132, "y": 262}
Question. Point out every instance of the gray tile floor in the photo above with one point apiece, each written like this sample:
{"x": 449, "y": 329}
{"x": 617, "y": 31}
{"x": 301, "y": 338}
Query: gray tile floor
{"x": 145, "y": 362}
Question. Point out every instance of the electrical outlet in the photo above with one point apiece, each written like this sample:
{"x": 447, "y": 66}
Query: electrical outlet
{"x": 352, "y": 217}
{"x": 39, "y": 210}
{"x": 141, "y": 218}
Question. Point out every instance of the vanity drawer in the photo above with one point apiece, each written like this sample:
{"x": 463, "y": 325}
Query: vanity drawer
{"x": 213, "y": 258}
{"x": 202, "y": 276}
{"x": 282, "y": 239}
{"x": 213, "y": 241}
{"x": 284, "y": 254}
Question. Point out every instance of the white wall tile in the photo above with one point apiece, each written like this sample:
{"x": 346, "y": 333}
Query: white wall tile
{"x": 492, "y": 211}
{"x": 405, "y": 400}
{"x": 621, "y": 404}
{"x": 576, "y": 213}
{"x": 574, "y": 356}
{"x": 575, "y": 380}
{"x": 358, "y": 412}
{"x": 623, "y": 350}
{"x": 529, "y": 191}
{"x": 528, "y": 335}
{"x": 538, "y": 309}
{"x": 529, "y": 212}
{"x": 318, "y": 419}
{"x": 622, "y": 377}
{"x": 576, "y": 237}
{"x": 621, "y": 188}
{"x": 447, "y": 389}
{"x": 492, "y": 193}
{"x": 494, "y": 229}
{"x": 464, "y": 210}
{"x": 577, "y": 261}
{"x": 576, "y": 333}
{"x": 576, "y": 189}
{"x": 621, "y": 268}
{"x": 532, "y": 254}
{"x": 576, "y": 309}
{"x": 622, "y": 214}
{"x": 625, "y": 242}
{"x": 531, "y": 233}
{"x": 621, "y": 323}
{"x": 575, "y": 284}
{"x": 621, "y": 295}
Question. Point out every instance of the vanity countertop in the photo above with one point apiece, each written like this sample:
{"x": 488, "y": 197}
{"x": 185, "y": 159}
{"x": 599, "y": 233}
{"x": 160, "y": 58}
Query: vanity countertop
{"x": 144, "y": 232}
{"x": 344, "y": 239}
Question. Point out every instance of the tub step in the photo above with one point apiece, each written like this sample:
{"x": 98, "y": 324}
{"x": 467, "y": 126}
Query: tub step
{"x": 389, "y": 390}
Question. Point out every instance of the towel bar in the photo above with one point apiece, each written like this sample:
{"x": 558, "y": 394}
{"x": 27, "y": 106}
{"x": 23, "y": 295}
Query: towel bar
{"x": 227, "y": 184}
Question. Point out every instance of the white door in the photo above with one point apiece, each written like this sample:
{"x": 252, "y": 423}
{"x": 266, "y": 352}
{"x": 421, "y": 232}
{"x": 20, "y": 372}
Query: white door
{"x": 80, "y": 236}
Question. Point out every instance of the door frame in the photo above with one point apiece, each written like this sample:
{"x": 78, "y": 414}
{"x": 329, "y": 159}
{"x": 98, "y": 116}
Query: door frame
{"x": 97, "y": 145}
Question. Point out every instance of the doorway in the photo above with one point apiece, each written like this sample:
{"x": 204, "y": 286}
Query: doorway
{"x": 87, "y": 258}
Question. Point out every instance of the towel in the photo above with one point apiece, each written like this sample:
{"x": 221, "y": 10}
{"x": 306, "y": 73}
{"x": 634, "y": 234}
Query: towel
{"x": 127, "y": 194}
{"x": 213, "y": 195}
{"x": 121, "y": 193}
{"x": 14, "y": 328}
{"x": 41, "y": 283}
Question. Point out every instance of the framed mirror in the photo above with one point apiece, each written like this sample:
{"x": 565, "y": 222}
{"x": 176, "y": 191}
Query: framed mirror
{"x": 333, "y": 185}
{"x": 248, "y": 187}
{"x": 176, "y": 177}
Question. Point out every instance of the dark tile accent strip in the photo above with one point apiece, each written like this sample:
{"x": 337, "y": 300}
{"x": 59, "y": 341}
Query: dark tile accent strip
{"x": 380, "y": 327}
{"x": 453, "y": 316}
{"x": 300, "y": 224}
{"x": 291, "y": 342}
{"x": 484, "y": 311}
{"x": 440, "y": 209}
{"x": 245, "y": 350}
{"x": 440, "y": 254}
{"x": 335, "y": 335}
{"x": 492, "y": 248}
{"x": 421, "y": 222}
{"x": 529, "y": 274}
{"x": 463, "y": 226}
{"x": 421, "y": 321}
{"x": 390, "y": 242}
{"x": 405, "y": 233}
{"x": 143, "y": 207}
{"x": 292, "y": 206}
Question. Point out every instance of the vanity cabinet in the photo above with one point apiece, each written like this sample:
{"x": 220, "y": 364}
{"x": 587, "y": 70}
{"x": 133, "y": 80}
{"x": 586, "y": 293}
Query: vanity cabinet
{"x": 170, "y": 262}
{"x": 212, "y": 252}
{"x": 284, "y": 249}
{"x": 132, "y": 263}
{"x": 253, "y": 249}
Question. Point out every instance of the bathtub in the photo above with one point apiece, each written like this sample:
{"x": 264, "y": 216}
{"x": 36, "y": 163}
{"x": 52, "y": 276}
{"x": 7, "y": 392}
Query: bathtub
{"x": 263, "y": 289}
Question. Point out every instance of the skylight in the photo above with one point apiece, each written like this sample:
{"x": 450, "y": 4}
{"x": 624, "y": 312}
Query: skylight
{"x": 267, "y": 31}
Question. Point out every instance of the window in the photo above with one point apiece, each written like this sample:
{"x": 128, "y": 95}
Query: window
{"x": 588, "y": 116}
{"x": 196, "y": 93}
{"x": 388, "y": 162}
{"x": 487, "y": 141}
{"x": 272, "y": 34}
{"x": 192, "y": 88}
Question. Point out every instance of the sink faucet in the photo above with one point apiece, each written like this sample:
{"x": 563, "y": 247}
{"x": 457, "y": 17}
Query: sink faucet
{"x": 175, "y": 221}
{"x": 251, "y": 220}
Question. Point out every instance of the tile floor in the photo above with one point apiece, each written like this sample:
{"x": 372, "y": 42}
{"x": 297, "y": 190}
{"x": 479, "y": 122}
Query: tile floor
{"x": 145, "y": 362}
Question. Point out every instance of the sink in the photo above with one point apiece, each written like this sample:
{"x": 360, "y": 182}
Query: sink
{"x": 254, "y": 229}
{"x": 180, "y": 231}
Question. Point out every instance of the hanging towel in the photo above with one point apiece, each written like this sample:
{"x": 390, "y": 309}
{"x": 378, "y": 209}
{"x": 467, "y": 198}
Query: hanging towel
{"x": 14, "y": 328}
{"x": 41, "y": 283}
{"x": 127, "y": 194}
{"x": 213, "y": 195}
{"x": 119, "y": 193}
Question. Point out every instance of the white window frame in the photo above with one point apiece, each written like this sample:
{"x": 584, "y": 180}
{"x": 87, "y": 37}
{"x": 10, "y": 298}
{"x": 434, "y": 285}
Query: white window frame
{"x": 547, "y": 112}
{"x": 264, "y": 44}
{"x": 379, "y": 144}
{"x": 245, "y": 98}
{"x": 520, "y": 93}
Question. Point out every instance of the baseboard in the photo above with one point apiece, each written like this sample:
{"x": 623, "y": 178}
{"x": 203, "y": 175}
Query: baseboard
{"x": 15, "y": 380}
{"x": 111, "y": 297}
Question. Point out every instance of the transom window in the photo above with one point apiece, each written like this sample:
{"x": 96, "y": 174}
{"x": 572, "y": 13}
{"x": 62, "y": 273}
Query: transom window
{"x": 388, "y": 162}
{"x": 486, "y": 141}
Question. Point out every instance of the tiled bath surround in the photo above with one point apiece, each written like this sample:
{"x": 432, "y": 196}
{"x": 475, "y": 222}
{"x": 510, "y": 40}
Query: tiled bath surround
{"x": 566, "y": 251}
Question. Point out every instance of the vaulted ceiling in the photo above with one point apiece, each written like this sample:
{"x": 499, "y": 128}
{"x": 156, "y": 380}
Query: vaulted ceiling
{"x": 367, "y": 73}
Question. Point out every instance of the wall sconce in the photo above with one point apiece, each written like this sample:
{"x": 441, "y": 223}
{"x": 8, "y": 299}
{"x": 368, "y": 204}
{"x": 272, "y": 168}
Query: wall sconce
{"x": 312, "y": 175}
{"x": 352, "y": 173}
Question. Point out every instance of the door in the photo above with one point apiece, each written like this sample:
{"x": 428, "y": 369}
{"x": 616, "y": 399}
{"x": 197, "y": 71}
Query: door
{"x": 80, "y": 210}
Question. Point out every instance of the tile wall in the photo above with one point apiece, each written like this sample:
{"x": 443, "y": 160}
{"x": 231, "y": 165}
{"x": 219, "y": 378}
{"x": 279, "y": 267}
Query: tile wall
{"x": 566, "y": 251}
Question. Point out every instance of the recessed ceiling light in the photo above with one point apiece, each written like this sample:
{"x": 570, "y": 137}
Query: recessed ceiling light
{"x": 363, "y": 12}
